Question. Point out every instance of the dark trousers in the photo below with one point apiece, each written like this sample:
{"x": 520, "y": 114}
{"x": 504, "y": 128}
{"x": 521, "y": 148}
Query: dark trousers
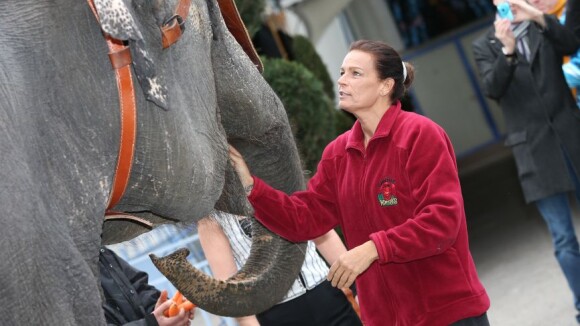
{"x": 473, "y": 321}
{"x": 323, "y": 305}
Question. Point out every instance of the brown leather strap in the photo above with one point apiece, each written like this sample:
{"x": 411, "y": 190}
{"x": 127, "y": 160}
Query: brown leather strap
{"x": 238, "y": 29}
{"x": 128, "y": 107}
{"x": 122, "y": 216}
{"x": 173, "y": 28}
{"x": 120, "y": 57}
{"x": 350, "y": 297}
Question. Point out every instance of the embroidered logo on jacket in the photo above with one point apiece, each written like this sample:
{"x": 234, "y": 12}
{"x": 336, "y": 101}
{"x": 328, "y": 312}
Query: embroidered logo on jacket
{"x": 386, "y": 195}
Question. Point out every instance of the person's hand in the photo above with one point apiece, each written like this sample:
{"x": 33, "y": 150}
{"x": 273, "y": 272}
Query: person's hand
{"x": 504, "y": 34}
{"x": 241, "y": 169}
{"x": 190, "y": 314}
{"x": 525, "y": 11}
{"x": 247, "y": 321}
{"x": 182, "y": 318}
{"x": 351, "y": 264}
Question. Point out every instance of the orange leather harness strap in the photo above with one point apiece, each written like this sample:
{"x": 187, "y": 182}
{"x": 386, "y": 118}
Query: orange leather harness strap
{"x": 236, "y": 26}
{"x": 120, "y": 57}
{"x": 128, "y": 108}
{"x": 173, "y": 28}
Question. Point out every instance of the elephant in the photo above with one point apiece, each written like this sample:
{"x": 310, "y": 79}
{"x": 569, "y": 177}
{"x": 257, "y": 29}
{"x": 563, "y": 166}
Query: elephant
{"x": 59, "y": 138}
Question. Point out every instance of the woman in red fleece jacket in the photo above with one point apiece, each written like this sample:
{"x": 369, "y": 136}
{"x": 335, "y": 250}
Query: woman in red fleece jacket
{"x": 391, "y": 183}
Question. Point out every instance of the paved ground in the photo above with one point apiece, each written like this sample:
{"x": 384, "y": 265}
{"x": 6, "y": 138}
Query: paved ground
{"x": 513, "y": 252}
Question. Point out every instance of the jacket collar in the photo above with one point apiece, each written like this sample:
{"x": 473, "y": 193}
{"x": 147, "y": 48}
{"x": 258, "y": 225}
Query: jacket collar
{"x": 356, "y": 137}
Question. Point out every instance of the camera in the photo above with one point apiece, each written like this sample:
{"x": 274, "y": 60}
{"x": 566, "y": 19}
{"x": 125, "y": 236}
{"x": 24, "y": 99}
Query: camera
{"x": 504, "y": 11}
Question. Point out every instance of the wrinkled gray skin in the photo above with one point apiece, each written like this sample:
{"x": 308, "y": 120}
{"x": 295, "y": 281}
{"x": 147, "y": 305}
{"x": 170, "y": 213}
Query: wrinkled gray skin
{"x": 59, "y": 137}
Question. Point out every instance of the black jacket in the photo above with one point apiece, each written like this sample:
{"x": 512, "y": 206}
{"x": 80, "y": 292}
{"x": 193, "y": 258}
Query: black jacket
{"x": 541, "y": 117}
{"x": 129, "y": 299}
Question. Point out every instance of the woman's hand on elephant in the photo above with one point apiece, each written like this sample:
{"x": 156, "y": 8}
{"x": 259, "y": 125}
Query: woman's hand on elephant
{"x": 351, "y": 264}
{"x": 242, "y": 169}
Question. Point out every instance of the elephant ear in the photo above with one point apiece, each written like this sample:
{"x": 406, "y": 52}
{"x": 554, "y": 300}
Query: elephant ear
{"x": 118, "y": 19}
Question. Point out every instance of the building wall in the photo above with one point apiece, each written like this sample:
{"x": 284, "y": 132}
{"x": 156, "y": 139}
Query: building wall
{"x": 446, "y": 87}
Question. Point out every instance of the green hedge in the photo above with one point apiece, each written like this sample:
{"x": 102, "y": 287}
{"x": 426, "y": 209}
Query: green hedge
{"x": 305, "y": 88}
{"x": 310, "y": 111}
{"x": 306, "y": 54}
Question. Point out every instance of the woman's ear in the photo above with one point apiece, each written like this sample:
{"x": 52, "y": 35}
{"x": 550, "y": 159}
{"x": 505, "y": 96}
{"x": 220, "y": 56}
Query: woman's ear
{"x": 387, "y": 86}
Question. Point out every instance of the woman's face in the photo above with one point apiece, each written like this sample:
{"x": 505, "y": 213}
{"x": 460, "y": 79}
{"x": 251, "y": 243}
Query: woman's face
{"x": 359, "y": 86}
{"x": 544, "y": 6}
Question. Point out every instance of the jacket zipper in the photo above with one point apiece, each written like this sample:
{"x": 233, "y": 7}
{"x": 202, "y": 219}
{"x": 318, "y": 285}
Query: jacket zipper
{"x": 125, "y": 288}
{"x": 372, "y": 226}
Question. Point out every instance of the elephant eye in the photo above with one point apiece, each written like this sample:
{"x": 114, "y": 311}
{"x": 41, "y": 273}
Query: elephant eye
{"x": 246, "y": 226}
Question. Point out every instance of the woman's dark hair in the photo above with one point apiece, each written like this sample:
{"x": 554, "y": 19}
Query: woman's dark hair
{"x": 388, "y": 64}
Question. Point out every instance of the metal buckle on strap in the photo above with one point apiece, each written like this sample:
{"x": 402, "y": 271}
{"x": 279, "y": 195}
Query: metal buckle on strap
{"x": 175, "y": 18}
{"x": 172, "y": 30}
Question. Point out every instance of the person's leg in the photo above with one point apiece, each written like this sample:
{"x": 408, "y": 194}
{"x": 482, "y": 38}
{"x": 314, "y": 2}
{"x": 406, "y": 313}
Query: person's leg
{"x": 323, "y": 305}
{"x": 556, "y": 212}
{"x": 289, "y": 313}
{"x": 331, "y": 307}
{"x": 473, "y": 321}
{"x": 575, "y": 179}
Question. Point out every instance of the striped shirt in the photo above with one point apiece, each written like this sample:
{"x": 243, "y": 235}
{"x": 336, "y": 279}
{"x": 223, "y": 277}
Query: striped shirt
{"x": 238, "y": 231}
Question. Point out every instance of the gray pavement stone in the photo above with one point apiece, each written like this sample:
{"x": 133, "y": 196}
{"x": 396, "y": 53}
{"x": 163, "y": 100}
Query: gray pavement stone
{"x": 513, "y": 252}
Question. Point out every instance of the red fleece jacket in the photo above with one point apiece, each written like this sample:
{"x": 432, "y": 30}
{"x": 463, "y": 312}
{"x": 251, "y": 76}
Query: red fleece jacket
{"x": 403, "y": 193}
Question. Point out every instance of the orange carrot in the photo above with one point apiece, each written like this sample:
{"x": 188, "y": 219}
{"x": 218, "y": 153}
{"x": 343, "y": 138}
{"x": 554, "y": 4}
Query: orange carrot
{"x": 187, "y": 305}
{"x": 163, "y": 296}
{"x": 166, "y": 312}
{"x": 177, "y": 297}
{"x": 173, "y": 310}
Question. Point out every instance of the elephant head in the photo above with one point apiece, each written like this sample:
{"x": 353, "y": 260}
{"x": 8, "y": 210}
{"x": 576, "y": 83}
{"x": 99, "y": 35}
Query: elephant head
{"x": 59, "y": 135}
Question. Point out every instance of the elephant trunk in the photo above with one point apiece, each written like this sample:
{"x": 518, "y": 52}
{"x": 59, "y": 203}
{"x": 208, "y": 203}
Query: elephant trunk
{"x": 259, "y": 285}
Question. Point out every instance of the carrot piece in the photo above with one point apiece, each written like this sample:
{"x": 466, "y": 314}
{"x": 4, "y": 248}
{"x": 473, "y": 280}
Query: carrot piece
{"x": 163, "y": 296}
{"x": 166, "y": 312}
{"x": 187, "y": 305}
{"x": 173, "y": 310}
{"x": 177, "y": 297}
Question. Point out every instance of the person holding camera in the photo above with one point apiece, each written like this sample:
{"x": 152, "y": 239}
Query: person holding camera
{"x": 520, "y": 63}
